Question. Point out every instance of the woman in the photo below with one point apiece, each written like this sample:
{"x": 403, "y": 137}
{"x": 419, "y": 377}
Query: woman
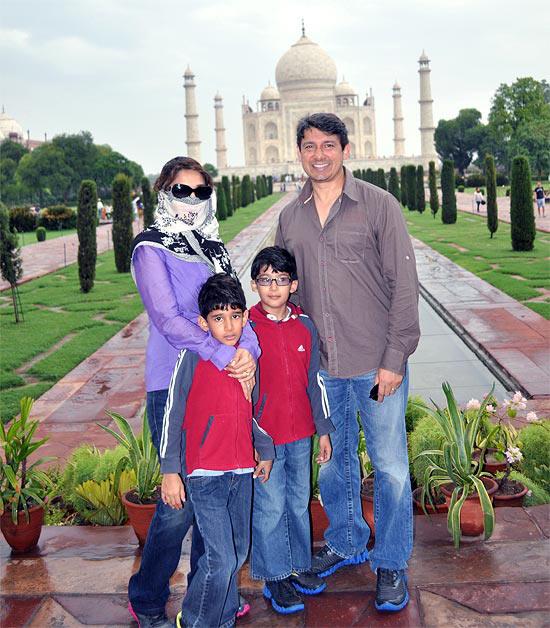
{"x": 170, "y": 262}
{"x": 478, "y": 198}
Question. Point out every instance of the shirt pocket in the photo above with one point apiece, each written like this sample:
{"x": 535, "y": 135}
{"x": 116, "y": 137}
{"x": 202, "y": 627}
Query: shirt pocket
{"x": 351, "y": 245}
{"x": 216, "y": 437}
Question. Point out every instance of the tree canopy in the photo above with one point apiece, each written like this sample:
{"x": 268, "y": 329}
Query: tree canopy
{"x": 458, "y": 139}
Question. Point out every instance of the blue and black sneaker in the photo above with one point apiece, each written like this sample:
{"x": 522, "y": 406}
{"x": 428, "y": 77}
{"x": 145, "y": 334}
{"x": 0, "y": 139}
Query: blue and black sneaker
{"x": 283, "y": 596}
{"x": 326, "y": 562}
{"x": 307, "y": 583}
{"x": 391, "y": 590}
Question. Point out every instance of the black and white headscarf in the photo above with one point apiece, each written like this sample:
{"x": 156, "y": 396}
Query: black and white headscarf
{"x": 188, "y": 228}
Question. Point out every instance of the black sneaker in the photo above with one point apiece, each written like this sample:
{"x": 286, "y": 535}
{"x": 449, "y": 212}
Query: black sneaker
{"x": 283, "y": 596}
{"x": 326, "y": 562}
{"x": 307, "y": 582}
{"x": 150, "y": 621}
{"x": 391, "y": 590}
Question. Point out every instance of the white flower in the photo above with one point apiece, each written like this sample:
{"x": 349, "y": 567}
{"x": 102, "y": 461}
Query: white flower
{"x": 490, "y": 408}
{"x": 532, "y": 417}
{"x": 506, "y": 403}
{"x": 473, "y": 404}
{"x": 518, "y": 398}
{"x": 513, "y": 454}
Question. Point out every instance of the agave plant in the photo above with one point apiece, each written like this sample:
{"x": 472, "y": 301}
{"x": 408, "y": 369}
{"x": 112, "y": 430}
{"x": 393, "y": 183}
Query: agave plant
{"x": 104, "y": 507}
{"x": 21, "y": 484}
{"x": 455, "y": 463}
{"x": 142, "y": 455}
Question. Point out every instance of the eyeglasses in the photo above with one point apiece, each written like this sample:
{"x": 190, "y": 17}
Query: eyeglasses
{"x": 180, "y": 190}
{"x": 283, "y": 280}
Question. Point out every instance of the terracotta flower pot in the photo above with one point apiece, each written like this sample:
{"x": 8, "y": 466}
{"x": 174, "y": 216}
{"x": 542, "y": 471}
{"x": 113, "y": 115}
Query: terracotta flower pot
{"x": 510, "y": 501}
{"x": 140, "y": 517}
{"x": 23, "y": 535}
{"x": 491, "y": 465}
{"x": 471, "y": 515}
{"x": 319, "y": 520}
{"x": 439, "y": 508}
{"x": 367, "y": 502}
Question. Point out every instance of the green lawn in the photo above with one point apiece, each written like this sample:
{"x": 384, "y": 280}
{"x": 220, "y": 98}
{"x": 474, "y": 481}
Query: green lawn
{"x": 29, "y": 237}
{"x": 63, "y": 326}
{"x": 522, "y": 275}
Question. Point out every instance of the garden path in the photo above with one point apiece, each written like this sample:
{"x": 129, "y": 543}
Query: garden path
{"x": 465, "y": 203}
{"x": 79, "y": 575}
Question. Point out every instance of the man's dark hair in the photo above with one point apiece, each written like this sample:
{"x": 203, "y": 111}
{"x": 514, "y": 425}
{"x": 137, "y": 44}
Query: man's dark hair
{"x": 221, "y": 292}
{"x": 171, "y": 168}
{"x": 327, "y": 123}
{"x": 280, "y": 260}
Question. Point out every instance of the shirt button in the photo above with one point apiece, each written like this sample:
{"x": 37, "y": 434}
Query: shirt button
{"x": 321, "y": 239}
{"x": 327, "y": 314}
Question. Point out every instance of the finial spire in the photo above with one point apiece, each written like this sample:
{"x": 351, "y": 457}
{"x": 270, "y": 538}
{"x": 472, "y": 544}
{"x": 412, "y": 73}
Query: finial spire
{"x": 303, "y": 28}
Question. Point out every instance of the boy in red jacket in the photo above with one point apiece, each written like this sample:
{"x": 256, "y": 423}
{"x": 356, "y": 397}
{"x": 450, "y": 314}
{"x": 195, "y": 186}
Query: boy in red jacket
{"x": 207, "y": 440}
{"x": 293, "y": 406}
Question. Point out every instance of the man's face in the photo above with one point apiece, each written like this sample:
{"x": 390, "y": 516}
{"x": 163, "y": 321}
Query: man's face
{"x": 322, "y": 155}
{"x": 226, "y": 326}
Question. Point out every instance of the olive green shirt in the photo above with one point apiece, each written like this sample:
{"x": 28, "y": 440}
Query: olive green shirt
{"x": 357, "y": 277}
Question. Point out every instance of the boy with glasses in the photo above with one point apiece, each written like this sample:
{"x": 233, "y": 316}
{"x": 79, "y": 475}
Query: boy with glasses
{"x": 292, "y": 404}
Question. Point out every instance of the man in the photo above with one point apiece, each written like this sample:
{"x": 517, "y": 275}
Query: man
{"x": 539, "y": 199}
{"x": 358, "y": 283}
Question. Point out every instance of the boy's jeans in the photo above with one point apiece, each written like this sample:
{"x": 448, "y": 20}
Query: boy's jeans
{"x": 222, "y": 513}
{"x": 339, "y": 479}
{"x": 281, "y": 538}
{"x": 149, "y": 588}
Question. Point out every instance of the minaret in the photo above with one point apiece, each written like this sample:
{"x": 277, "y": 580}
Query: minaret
{"x": 191, "y": 116}
{"x": 398, "y": 133}
{"x": 221, "y": 149}
{"x": 427, "y": 127}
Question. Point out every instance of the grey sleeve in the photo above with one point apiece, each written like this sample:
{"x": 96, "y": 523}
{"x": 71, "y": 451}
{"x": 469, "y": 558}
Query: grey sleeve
{"x": 263, "y": 443}
{"x": 316, "y": 386}
{"x": 399, "y": 270}
{"x": 171, "y": 438}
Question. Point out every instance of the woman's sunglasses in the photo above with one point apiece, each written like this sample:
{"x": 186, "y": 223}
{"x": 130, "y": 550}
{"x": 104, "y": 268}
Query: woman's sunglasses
{"x": 180, "y": 190}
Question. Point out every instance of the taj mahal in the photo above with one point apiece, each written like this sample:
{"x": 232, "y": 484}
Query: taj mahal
{"x": 306, "y": 82}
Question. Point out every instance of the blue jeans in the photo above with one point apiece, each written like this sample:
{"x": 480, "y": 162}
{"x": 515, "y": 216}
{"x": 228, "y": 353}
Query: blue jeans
{"x": 149, "y": 588}
{"x": 222, "y": 513}
{"x": 281, "y": 536}
{"x": 339, "y": 479}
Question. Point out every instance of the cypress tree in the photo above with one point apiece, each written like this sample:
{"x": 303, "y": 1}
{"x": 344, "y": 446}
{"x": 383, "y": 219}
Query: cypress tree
{"x": 432, "y": 182}
{"x": 221, "y": 205}
{"x": 420, "y": 193}
{"x": 363, "y": 174}
{"x": 403, "y": 178}
{"x": 227, "y": 195}
{"x": 381, "y": 179}
{"x": 258, "y": 187}
{"x": 252, "y": 192}
{"x": 492, "y": 207}
{"x": 238, "y": 195}
{"x": 522, "y": 215}
{"x": 123, "y": 234}
{"x": 411, "y": 187}
{"x": 246, "y": 190}
{"x": 369, "y": 178}
{"x": 393, "y": 184}
{"x": 270, "y": 185}
{"x": 448, "y": 196}
{"x": 148, "y": 203}
{"x": 86, "y": 230}
{"x": 11, "y": 265}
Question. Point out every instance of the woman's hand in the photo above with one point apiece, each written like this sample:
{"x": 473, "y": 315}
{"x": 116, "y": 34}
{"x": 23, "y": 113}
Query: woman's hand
{"x": 242, "y": 366}
{"x": 248, "y": 387}
{"x": 172, "y": 491}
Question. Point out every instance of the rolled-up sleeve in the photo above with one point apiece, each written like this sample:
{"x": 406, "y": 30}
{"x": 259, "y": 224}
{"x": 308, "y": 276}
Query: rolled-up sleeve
{"x": 155, "y": 288}
{"x": 399, "y": 271}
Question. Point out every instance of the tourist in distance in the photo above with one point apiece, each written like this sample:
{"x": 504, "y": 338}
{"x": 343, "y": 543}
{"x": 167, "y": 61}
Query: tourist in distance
{"x": 358, "y": 283}
{"x": 540, "y": 199}
{"x": 170, "y": 262}
{"x": 478, "y": 198}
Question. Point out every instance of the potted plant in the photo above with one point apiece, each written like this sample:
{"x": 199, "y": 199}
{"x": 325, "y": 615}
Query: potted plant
{"x": 510, "y": 491}
{"x": 23, "y": 487}
{"x": 454, "y": 470}
{"x": 367, "y": 482}
{"x": 141, "y": 501}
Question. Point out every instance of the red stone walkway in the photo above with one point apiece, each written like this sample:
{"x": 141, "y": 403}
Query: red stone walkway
{"x": 465, "y": 203}
{"x": 112, "y": 378}
{"x": 79, "y": 575}
{"x": 45, "y": 257}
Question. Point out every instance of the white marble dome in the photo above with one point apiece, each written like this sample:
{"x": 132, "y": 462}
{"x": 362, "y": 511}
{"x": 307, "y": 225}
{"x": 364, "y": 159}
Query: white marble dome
{"x": 305, "y": 65}
{"x": 270, "y": 93}
{"x": 345, "y": 89}
{"x": 9, "y": 127}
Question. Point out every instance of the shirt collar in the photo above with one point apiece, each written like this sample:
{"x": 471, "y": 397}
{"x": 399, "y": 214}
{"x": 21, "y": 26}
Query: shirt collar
{"x": 350, "y": 189}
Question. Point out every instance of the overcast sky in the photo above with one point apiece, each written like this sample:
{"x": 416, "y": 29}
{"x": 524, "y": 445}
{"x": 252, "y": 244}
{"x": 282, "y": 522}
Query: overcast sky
{"x": 114, "y": 67}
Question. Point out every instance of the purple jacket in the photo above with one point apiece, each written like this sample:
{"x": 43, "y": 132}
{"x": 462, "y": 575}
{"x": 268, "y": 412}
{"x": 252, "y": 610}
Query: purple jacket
{"x": 169, "y": 289}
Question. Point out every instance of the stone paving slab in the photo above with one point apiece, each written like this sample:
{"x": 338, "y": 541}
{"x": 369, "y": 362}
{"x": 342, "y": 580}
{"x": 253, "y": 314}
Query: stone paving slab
{"x": 465, "y": 203}
{"x": 78, "y": 576}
